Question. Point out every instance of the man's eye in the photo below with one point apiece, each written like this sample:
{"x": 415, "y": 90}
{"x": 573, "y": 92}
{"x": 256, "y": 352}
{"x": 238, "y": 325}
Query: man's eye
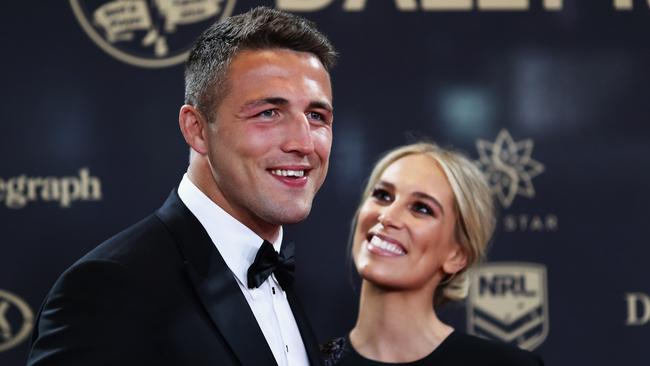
{"x": 422, "y": 208}
{"x": 315, "y": 116}
{"x": 381, "y": 195}
{"x": 268, "y": 113}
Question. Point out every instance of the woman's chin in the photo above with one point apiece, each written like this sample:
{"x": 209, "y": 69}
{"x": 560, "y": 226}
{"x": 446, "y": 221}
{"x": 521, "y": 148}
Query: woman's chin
{"x": 383, "y": 279}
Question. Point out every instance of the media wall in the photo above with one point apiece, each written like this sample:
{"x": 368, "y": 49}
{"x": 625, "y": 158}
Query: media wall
{"x": 550, "y": 98}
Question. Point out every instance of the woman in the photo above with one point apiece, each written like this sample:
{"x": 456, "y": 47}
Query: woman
{"x": 425, "y": 218}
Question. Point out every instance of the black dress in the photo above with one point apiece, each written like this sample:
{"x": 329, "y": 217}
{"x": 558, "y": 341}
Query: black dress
{"x": 457, "y": 349}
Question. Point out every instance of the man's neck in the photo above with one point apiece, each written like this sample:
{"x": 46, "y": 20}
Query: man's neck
{"x": 206, "y": 184}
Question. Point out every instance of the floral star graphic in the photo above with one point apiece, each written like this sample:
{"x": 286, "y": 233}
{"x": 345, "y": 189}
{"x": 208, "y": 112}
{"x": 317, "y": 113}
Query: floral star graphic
{"x": 509, "y": 167}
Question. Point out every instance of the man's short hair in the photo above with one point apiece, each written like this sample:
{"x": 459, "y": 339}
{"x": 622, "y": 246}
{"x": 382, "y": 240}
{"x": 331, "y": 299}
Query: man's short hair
{"x": 260, "y": 28}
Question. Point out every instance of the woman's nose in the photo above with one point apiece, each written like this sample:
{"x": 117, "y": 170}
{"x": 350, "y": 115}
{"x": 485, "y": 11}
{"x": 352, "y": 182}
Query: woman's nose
{"x": 390, "y": 216}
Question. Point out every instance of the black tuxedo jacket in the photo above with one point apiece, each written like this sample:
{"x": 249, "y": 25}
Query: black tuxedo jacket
{"x": 158, "y": 293}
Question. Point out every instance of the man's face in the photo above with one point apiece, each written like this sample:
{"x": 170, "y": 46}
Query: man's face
{"x": 270, "y": 142}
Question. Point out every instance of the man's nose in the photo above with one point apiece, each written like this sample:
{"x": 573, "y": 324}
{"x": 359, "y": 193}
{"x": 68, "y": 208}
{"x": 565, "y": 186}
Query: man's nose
{"x": 298, "y": 138}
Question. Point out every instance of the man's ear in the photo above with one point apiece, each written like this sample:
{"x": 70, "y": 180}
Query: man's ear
{"x": 456, "y": 260}
{"x": 192, "y": 126}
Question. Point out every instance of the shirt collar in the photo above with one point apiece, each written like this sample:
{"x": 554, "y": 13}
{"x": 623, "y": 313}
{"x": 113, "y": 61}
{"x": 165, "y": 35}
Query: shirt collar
{"x": 236, "y": 243}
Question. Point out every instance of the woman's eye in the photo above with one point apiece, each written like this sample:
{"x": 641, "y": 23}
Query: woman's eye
{"x": 381, "y": 194}
{"x": 423, "y": 209}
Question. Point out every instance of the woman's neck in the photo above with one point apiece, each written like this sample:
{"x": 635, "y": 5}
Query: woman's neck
{"x": 396, "y": 326}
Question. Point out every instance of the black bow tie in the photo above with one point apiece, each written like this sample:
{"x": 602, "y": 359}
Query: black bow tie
{"x": 268, "y": 261}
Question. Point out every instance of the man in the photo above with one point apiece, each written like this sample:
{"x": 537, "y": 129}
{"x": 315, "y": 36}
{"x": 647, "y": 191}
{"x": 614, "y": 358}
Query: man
{"x": 176, "y": 288}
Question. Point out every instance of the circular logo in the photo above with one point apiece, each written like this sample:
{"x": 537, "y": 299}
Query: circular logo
{"x": 153, "y": 33}
{"x": 16, "y": 320}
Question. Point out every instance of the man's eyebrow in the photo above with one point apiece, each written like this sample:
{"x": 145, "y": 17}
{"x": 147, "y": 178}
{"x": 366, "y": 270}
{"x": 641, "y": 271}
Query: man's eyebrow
{"x": 281, "y": 101}
{"x": 262, "y": 101}
{"x": 322, "y": 105}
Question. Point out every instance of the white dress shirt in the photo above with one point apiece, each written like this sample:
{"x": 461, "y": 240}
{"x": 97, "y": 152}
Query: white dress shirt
{"x": 238, "y": 246}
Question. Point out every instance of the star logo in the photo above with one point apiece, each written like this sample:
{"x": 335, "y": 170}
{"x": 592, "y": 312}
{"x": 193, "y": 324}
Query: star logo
{"x": 509, "y": 167}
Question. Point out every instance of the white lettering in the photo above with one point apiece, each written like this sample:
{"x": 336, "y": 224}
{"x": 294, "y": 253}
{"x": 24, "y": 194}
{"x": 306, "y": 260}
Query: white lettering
{"x": 51, "y": 190}
{"x": 13, "y": 198}
{"x": 553, "y": 4}
{"x": 91, "y": 187}
{"x": 427, "y": 5}
{"x": 70, "y": 190}
{"x": 623, "y": 4}
{"x": 359, "y": 5}
{"x": 503, "y": 4}
{"x": 638, "y": 308}
{"x": 32, "y": 184}
{"x": 446, "y": 4}
{"x": 536, "y": 224}
{"x": 551, "y": 223}
{"x": 510, "y": 223}
{"x": 301, "y": 5}
{"x": 530, "y": 223}
{"x": 523, "y": 222}
{"x": 16, "y": 192}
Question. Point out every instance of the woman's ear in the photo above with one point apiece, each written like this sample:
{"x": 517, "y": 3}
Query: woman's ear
{"x": 192, "y": 126}
{"x": 456, "y": 260}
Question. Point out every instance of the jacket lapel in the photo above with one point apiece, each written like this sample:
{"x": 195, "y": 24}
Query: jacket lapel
{"x": 216, "y": 285}
{"x": 308, "y": 337}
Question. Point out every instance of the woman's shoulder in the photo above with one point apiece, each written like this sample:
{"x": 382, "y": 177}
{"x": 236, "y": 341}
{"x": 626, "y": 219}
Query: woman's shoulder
{"x": 468, "y": 348}
{"x": 457, "y": 349}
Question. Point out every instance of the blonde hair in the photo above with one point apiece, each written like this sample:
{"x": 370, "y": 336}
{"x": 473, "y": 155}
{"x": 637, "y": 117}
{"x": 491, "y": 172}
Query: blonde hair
{"x": 473, "y": 204}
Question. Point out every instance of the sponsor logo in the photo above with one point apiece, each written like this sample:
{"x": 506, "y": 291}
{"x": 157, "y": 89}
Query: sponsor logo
{"x": 530, "y": 223}
{"x": 17, "y": 192}
{"x": 144, "y": 33}
{"x": 16, "y": 320}
{"x": 159, "y": 33}
{"x": 638, "y": 308}
{"x": 508, "y": 302}
{"x": 510, "y": 168}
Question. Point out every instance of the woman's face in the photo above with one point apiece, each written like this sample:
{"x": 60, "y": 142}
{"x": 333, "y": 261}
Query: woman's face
{"x": 404, "y": 238}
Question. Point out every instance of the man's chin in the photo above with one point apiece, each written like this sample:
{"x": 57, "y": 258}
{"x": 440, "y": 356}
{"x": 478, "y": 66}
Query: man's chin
{"x": 293, "y": 215}
{"x": 296, "y": 218}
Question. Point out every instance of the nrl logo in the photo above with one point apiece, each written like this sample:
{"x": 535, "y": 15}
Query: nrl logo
{"x": 508, "y": 302}
{"x": 16, "y": 320}
{"x": 509, "y": 167}
{"x": 148, "y": 33}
